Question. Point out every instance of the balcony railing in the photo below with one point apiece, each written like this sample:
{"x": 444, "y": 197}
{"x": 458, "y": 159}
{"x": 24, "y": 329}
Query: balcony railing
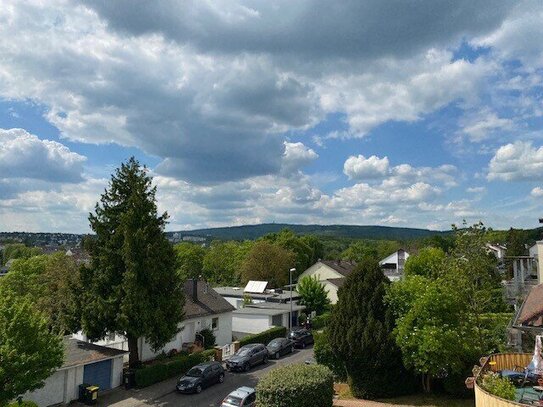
{"x": 496, "y": 363}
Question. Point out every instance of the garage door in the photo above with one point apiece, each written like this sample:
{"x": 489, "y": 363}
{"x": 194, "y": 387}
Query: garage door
{"x": 98, "y": 374}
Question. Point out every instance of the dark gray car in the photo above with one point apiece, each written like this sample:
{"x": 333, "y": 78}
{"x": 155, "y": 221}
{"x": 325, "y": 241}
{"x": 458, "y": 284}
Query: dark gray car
{"x": 279, "y": 347}
{"x": 200, "y": 377}
{"x": 248, "y": 356}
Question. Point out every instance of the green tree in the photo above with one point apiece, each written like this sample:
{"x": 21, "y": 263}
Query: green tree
{"x": 222, "y": 262}
{"x": 52, "y": 284}
{"x": 288, "y": 240}
{"x": 19, "y": 251}
{"x": 360, "y": 330}
{"x": 269, "y": 262}
{"x": 29, "y": 352}
{"x": 427, "y": 262}
{"x": 190, "y": 259}
{"x": 131, "y": 286}
{"x": 314, "y": 296}
{"x": 515, "y": 242}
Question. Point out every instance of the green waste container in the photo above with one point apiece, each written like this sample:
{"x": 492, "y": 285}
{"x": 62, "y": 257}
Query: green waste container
{"x": 88, "y": 394}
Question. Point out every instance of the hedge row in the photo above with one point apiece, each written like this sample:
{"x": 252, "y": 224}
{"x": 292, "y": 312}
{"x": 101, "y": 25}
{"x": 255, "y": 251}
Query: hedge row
{"x": 23, "y": 404}
{"x": 296, "y": 385}
{"x": 266, "y": 336}
{"x": 320, "y": 321}
{"x": 149, "y": 375}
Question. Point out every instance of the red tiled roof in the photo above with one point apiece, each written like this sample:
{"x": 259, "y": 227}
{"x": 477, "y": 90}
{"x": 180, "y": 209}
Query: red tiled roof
{"x": 531, "y": 313}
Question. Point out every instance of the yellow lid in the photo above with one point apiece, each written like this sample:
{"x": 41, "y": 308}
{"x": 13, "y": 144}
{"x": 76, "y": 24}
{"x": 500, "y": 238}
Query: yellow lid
{"x": 93, "y": 388}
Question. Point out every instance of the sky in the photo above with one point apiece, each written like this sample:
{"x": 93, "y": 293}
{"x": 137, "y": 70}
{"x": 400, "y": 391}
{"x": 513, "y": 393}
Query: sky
{"x": 397, "y": 113}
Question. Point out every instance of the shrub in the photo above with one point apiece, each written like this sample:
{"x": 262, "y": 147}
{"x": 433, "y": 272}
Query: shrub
{"x": 180, "y": 364}
{"x": 209, "y": 338}
{"x": 265, "y": 337}
{"x": 325, "y": 356}
{"x": 23, "y": 404}
{"x": 498, "y": 386}
{"x": 320, "y": 321}
{"x": 296, "y": 385}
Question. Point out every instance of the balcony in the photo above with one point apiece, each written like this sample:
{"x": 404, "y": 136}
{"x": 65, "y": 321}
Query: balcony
{"x": 495, "y": 363}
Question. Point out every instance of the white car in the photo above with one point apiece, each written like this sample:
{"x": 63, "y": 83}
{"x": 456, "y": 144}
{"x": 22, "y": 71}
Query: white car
{"x": 242, "y": 397}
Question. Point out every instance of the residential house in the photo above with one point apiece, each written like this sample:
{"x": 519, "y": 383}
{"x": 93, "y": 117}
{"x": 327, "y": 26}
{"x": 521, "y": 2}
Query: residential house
{"x": 204, "y": 308}
{"x": 393, "y": 265}
{"x": 497, "y": 250}
{"x": 331, "y": 273}
{"x": 83, "y": 363}
{"x": 259, "y": 317}
{"x": 235, "y": 296}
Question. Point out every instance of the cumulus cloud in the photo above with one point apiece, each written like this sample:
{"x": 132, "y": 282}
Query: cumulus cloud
{"x": 483, "y": 124}
{"x": 24, "y": 155}
{"x": 296, "y": 156}
{"x": 519, "y": 161}
{"x": 360, "y": 167}
{"x": 537, "y": 192}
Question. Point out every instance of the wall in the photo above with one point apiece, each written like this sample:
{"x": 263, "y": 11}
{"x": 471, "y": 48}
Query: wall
{"x": 250, "y": 323}
{"x": 63, "y": 386}
{"x": 332, "y": 291}
{"x": 322, "y": 272}
{"x": 117, "y": 372}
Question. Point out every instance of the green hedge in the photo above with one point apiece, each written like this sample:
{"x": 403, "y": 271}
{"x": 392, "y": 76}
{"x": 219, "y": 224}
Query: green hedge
{"x": 320, "y": 321}
{"x": 149, "y": 375}
{"x": 266, "y": 336}
{"x": 23, "y": 404}
{"x": 296, "y": 385}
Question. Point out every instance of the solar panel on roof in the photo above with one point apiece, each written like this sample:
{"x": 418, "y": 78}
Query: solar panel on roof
{"x": 256, "y": 287}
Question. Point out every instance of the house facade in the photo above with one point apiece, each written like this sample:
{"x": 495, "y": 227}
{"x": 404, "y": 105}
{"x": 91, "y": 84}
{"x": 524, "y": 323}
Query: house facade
{"x": 256, "y": 318}
{"x": 331, "y": 273}
{"x": 394, "y": 264}
{"x": 204, "y": 309}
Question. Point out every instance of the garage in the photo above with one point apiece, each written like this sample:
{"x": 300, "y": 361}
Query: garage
{"x": 84, "y": 362}
{"x": 98, "y": 374}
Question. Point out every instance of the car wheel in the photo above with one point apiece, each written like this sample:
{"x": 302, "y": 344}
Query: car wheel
{"x": 221, "y": 378}
{"x": 265, "y": 360}
{"x": 303, "y": 345}
{"x": 276, "y": 355}
{"x": 246, "y": 367}
{"x": 199, "y": 389}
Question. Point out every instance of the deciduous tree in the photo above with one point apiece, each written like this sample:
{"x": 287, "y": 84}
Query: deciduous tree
{"x": 131, "y": 287}
{"x": 190, "y": 259}
{"x": 314, "y": 295}
{"x": 269, "y": 262}
{"x": 427, "y": 262}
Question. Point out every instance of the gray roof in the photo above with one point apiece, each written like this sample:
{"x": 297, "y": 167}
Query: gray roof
{"x": 78, "y": 353}
{"x": 341, "y": 266}
{"x": 275, "y": 305}
{"x": 266, "y": 311}
{"x": 209, "y": 302}
{"x": 239, "y": 293}
{"x": 338, "y": 282}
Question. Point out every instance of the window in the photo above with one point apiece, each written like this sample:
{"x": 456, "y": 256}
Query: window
{"x": 250, "y": 399}
{"x": 215, "y": 323}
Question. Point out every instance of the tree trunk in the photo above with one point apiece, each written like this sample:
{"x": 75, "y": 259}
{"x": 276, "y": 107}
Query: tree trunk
{"x": 426, "y": 383}
{"x": 133, "y": 355}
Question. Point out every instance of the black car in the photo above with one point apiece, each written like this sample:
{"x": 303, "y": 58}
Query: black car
{"x": 301, "y": 338}
{"x": 248, "y": 356}
{"x": 279, "y": 347}
{"x": 200, "y": 377}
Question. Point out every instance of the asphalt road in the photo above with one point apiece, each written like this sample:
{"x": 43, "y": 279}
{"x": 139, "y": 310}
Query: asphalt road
{"x": 212, "y": 396}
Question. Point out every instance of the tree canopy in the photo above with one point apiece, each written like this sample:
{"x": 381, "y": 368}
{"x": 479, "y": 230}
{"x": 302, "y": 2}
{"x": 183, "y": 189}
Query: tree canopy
{"x": 29, "y": 352}
{"x": 131, "y": 286}
{"x": 190, "y": 259}
{"x": 314, "y": 296}
{"x": 427, "y": 262}
{"x": 269, "y": 262}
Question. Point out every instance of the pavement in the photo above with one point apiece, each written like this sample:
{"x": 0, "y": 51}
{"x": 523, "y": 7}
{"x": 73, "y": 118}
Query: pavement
{"x": 163, "y": 394}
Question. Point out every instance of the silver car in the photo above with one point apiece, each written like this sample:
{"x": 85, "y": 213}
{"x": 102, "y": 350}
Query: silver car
{"x": 242, "y": 397}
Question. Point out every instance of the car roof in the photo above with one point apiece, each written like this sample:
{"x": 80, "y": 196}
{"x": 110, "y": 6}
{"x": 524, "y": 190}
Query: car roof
{"x": 206, "y": 364}
{"x": 242, "y": 392}
{"x": 252, "y": 345}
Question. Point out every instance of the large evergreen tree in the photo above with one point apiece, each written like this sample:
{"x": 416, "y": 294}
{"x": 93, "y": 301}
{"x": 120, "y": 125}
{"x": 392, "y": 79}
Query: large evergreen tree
{"x": 360, "y": 331}
{"x": 131, "y": 287}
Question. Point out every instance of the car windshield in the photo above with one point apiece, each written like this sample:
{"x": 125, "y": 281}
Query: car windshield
{"x": 194, "y": 372}
{"x": 243, "y": 352}
{"x": 274, "y": 344}
{"x": 235, "y": 401}
{"x": 296, "y": 333}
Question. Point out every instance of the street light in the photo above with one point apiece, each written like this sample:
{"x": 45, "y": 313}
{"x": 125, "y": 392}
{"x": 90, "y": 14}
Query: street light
{"x": 290, "y": 316}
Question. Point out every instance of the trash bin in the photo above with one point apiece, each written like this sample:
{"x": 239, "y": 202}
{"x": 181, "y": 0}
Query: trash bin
{"x": 129, "y": 378}
{"x": 88, "y": 394}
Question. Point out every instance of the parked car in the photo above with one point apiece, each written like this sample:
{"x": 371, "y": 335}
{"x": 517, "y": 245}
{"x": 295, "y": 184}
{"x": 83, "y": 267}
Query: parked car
{"x": 248, "y": 356}
{"x": 279, "y": 347}
{"x": 200, "y": 377}
{"x": 301, "y": 337}
{"x": 242, "y": 397}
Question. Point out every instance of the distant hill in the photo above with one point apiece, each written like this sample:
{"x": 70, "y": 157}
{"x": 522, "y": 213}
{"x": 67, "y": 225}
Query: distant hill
{"x": 251, "y": 232}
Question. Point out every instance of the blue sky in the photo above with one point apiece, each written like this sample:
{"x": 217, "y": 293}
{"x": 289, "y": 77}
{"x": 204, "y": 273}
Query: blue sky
{"x": 416, "y": 114}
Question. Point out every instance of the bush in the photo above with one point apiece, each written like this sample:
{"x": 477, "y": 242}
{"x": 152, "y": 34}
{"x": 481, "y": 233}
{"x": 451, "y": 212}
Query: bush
{"x": 23, "y": 404}
{"x": 209, "y": 338}
{"x": 320, "y": 321}
{"x": 265, "y": 337}
{"x": 498, "y": 386}
{"x": 149, "y": 375}
{"x": 296, "y": 385}
{"x": 325, "y": 356}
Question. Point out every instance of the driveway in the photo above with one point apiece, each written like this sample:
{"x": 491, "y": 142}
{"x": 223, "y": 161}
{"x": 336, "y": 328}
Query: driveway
{"x": 163, "y": 394}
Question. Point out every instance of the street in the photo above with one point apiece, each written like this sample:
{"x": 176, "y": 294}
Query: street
{"x": 163, "y": 394}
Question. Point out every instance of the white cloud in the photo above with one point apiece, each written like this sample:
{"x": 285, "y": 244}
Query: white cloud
{"x": 24, "y": 155}
{"x": 537, "y": 192}
{"x": 360, "y": 167}
{"x": 483, "y": 124}
{"x": 519, "y": 161}
{"x": 296, "y": 156}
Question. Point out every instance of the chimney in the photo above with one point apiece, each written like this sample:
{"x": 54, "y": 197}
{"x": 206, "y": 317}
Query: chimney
{"x": 195, "y": 289}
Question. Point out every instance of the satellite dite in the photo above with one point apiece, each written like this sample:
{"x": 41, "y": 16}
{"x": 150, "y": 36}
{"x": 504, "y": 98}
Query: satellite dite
{"x": 255, "y": 287}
